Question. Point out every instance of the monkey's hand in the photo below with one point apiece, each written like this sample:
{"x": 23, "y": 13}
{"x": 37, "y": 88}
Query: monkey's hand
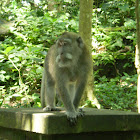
{"x": 72, "y": 117}
{"x": 47, "y": 108}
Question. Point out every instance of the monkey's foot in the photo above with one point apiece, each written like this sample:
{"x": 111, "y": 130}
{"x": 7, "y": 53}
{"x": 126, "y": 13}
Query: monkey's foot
{"x": 81, "y": 113}
{"x": 47, "y": 108}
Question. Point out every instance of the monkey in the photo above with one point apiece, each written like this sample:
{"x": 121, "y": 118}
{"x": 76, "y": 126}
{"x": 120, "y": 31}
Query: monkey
{"x": 66, "y": 70}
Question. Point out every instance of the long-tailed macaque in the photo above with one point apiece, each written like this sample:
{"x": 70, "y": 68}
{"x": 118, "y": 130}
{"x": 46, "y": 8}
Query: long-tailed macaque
{"x": 66, "y": 70}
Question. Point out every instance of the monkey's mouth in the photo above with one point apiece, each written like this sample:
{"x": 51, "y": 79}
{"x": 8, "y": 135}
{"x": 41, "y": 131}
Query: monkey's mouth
{"x": 64, "y": 60}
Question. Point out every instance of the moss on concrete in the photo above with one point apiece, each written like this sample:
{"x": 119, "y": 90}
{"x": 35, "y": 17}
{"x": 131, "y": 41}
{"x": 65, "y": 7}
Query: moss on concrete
{"x": 35, "y": 120}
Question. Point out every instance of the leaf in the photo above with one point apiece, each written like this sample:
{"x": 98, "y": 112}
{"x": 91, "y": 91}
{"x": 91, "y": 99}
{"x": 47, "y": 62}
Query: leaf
{"x": 8, "y": 49}
{"x": 11, "y": 55}
{"x": 20, "y": 35}
{"x": 124, "y": 7}
{"x": 37, "y": 59}
{"x": 2, "y": 72}
{"x": 7, "y": 77}
{"x": 130, "y": 24}
{"x": 39, "y": 70}
{"x": 1, "y": 56}
{"x": 17, "y": 95}
{"x": 130, "y": 37}
{"x": 35, "y": 96}
{"x": 2, "y": 77}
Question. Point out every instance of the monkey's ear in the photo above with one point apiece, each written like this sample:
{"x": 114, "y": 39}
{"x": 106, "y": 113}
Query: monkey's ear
{"x": 64, "y": 33}
{"x": 80, "y": 42}
{"x": 57, "y": 43}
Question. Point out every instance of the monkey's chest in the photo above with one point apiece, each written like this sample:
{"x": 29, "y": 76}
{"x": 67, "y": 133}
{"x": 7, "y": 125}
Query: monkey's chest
{"x": 73, "y": 76}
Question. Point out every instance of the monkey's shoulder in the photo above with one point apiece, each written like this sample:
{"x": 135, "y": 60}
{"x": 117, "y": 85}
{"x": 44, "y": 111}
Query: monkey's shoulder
{"x": 85, "y": 61}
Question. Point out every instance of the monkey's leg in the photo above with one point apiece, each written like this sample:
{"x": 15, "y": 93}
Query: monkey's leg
{"x": 50, "y": 98}
{"x": 48, "y": 93}
{"x": 43, "y": 90}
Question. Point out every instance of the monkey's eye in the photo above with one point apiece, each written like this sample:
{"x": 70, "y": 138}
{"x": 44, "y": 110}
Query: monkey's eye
{"x": 61, "y": 44}
{"x": 65, "y": 43}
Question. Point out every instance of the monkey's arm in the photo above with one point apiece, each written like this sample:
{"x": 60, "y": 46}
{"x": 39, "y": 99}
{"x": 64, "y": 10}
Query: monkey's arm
{"x": 65, "y": 96}
{"x": 80, "y": 87}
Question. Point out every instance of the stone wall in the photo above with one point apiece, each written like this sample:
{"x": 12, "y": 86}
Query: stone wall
{"x": 34, "y": 124}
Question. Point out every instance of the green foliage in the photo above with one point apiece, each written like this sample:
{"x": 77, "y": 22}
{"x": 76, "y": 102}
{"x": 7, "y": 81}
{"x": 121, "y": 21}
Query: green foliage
{"x": 117, "y": 93}
{"x": 114, "y": 38}
{"x": 22, "y": 53}
{"x": 114, "y": 32}
{"x": 36, "y": 28}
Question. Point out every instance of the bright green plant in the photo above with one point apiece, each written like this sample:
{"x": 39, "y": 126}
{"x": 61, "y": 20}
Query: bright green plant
{"x": 36, "y": 29}
{"x": 22, "y": 53}
{"x": 118, "y": 93}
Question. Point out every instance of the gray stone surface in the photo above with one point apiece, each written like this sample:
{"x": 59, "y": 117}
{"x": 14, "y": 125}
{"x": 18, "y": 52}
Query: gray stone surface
{"x": 50, "y": 123}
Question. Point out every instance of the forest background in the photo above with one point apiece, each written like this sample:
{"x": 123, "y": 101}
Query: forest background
{"x": 28, "y": 28}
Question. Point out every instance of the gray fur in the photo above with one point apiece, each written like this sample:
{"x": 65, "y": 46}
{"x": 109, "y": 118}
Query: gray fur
{"x": 66, "y": 69}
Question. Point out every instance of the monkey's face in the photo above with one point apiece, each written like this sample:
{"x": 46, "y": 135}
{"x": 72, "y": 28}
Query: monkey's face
{"x": 68, "y": 52}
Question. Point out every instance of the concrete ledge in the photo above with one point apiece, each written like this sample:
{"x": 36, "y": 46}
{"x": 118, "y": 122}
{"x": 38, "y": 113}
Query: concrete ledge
{"x": 55, "y": 123}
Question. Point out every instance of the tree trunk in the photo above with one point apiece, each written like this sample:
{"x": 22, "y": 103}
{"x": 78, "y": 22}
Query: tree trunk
{"x": 51, "y": 4}
{"x": 55, "y": 5}
{"x": 137, "y": 53}
{"x": 85, "y": 26}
